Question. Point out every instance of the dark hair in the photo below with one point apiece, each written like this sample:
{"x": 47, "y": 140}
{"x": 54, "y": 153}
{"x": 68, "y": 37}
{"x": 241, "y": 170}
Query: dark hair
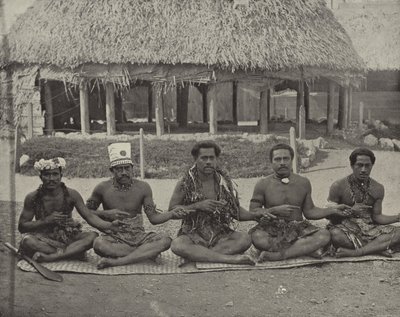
{"x": 281, "y": 146}
{"x": 361, "y": 151}
{"x": 205, "y": 145}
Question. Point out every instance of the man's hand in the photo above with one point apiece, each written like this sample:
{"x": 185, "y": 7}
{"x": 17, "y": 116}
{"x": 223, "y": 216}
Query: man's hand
{"x": 56, "y": 217}
{"x": 283, "y": 211}
{"x": 262, "y": 214}
{"x": 342, "y": 210}
{"x": 181, "y": 212}
{"x": 115, "y": 225}
{"x": 209, "y": 205}
{"x": 114, "y": 214}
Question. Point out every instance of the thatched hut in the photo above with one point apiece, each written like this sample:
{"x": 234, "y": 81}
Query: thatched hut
{"x": 374, "y": 29}
{"x": 172, "y": 43}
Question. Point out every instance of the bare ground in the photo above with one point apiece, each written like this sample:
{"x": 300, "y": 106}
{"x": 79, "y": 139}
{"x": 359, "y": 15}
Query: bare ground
{"x": 358, "y": 289}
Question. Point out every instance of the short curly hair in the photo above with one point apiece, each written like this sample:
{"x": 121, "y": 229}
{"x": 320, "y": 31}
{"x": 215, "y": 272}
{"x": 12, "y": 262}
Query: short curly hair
{"x": 281, "y": 146}
{"x": 361, "y": 151}
{"x": 205, "y": 145}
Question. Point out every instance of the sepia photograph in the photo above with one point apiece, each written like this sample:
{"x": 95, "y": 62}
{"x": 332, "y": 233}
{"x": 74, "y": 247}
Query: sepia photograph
{"x": 199, "y": 158}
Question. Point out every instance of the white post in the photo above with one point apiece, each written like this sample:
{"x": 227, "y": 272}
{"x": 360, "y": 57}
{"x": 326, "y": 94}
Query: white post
{"x": 361, "y": 115}
{"x": 292, "y": 133}
{"x": 141, "y": 146}
{"x": 286, "y": 113}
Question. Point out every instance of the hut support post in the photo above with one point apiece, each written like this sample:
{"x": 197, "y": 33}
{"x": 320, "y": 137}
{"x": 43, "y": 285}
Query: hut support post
{"x": 350, "y": 100}
{"x": 150, "y": 103}
{"x": 212, "y": 108}
{"x": 264, "y": 104}
{"x": 182, "y": 99}
{"x": 110, "y": 109}
{"x": 341, "y": 108}
{"x": 158, "y": 103}
{"x": 307, "y": 101}
{"x": 84, "y": 107}
{"x": 330, "y": 108}
{"x": 49, "y": 109}
{"x": 302, "y": 123}
{"x": 30, "y": 120}
{"x": 234, "y": 102}
{"x": 299, "y": 103}
{"x": 345, "y": 107}
{"x": 361, "y": 116}
{"x": 204, "y": 91}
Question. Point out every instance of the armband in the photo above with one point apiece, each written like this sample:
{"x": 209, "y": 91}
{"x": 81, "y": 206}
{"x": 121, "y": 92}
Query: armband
{"x": 149, "y": 209}
{"x": 255, "y": 200}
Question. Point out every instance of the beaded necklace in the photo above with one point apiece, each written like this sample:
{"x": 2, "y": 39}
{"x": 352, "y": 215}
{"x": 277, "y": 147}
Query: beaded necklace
{"x": 360, "y": 187}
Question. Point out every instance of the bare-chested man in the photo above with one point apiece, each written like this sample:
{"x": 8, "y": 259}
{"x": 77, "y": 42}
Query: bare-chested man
{"x": 206, "y": 235}
{"x": 286, "y": 196}
{"x": 54, "y": 235}
{"x": 366, "y": 231}
{"x": 123, "y": 197}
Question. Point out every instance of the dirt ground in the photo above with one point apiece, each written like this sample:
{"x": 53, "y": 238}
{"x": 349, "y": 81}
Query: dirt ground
{"x": 357, "y": 289}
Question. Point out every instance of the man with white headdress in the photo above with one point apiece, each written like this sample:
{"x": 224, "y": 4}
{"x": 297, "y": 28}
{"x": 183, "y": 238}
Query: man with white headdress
{"x": 123, "y": 197}
{"x": 50, "y": 232}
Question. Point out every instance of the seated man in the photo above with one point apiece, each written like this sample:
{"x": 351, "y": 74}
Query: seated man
{"x": 123, "y": 197}
{"x": 366, "y": 231}
{"x": 54, "y": 235}
{"x": 286, "y": 196}
{"x": 206, "y": 235}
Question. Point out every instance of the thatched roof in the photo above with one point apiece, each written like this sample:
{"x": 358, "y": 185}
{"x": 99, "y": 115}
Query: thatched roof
{"x": 265, "y": 35}
{"x": 375, "y": 33}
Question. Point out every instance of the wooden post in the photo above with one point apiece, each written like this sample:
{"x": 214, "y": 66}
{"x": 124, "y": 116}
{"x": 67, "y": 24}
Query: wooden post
{"x": 361, "y": 116}
{"x": 307, "y": 101}
{"x": 350, "y": 107}
{"x": 204, "y": 91}
{"x": 182, "y": 99}
{"x": 150, "y": 103}
{"x": 264, "y": 112}
{"x": 345, "y": 107}
{"x": 30, "y": 120}
{"x": 49, "y": 109}
{"x": 84, "y": 107}
{"x": 369, "y": 117}
{"x": 292, "y": 139}
{"x": 212, "y": 108}
{"x": 330, "y": 108}
{"x": 158, "y": 103}
{"x": 234, "y": 102}
{"x": 299, "y": 103}
{"x": 302, "y": 123}
{"x": 286, "y": 113}
{"x": 141, "y": 148}
{"x": 110, "y": 109}
{"x": 341, "y": 108}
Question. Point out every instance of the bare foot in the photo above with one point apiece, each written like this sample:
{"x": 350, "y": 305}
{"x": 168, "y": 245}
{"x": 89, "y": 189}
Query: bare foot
{"x": 270, "y": 256}
{"x": 242, "y": 259}
{"x": 343, "y": 252}
{"x": 43, "y": 257}
{"x": 104, "y": 263}
{"x": 317, "y": 254}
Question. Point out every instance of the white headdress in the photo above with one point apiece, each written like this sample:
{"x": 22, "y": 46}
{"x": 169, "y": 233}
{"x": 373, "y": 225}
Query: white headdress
{"x": 50, "y": 164}
{"x": 120, "y": 153}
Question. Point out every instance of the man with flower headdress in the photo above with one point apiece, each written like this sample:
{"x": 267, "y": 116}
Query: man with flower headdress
{"x": 206, "y": 235}
{"x": 366, "y": 230}
{"x": 50, "y": 232}
{"x": 123, "y": 197}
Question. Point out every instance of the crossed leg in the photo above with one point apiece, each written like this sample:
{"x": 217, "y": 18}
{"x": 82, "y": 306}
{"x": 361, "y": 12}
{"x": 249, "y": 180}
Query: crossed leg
{"x": 116, "y": 254}
{"x": 302, "y": 246}
{"x": 44, "y": 252}
{"x": 227, "y": 250}
{"x": 380, "y": 244}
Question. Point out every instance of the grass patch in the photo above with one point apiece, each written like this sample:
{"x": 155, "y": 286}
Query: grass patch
{"x": 164, "y": 158}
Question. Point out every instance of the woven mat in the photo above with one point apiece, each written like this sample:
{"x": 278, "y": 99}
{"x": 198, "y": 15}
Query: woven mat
{"x": 169, "y": 263}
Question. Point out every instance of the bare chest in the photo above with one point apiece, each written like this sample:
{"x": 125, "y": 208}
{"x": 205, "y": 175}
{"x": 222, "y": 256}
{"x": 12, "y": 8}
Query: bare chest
{"x": 277, "y": 194}
{"x": 130, "y": 201}
{"x": 56, "y": 204}
{"x": 209, "y": 190}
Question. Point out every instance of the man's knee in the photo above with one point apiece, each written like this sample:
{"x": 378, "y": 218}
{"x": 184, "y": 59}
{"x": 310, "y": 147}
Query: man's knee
{"x": 100, "y": 246}
{"x": 259, "y": 239}
{"x": 179, "y": 245}
{"x": 337, "y": 236}
{"x": 324, "y": 236}
{"x": 243, "y": 240}
{"x": 165, "y": 242}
